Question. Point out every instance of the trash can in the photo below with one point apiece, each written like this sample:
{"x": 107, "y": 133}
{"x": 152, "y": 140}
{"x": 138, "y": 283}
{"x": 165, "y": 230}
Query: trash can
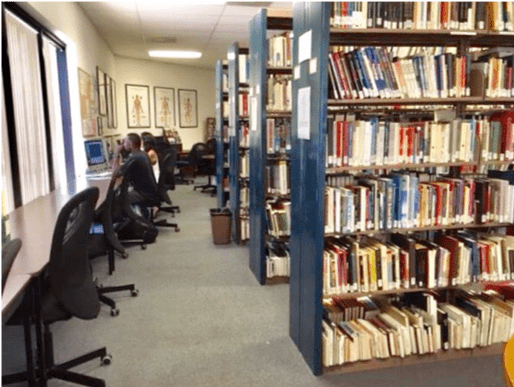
{"x": 221, "y": 219}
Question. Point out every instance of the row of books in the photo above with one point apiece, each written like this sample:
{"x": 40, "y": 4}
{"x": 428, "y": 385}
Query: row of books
{"x": 243, "y": 104}
{"x": 244, "y": 165}
{"x": 278, "y": 135}
{"x": 374, "y": 141}
{"x": 278, "y": 215}
{"x": 279, "y": 92}
{"x": 244, "y": 197}
{"x": 421, "y": 15}
{"x": 244, "y": 135}
{"x": 280, "y": 50}
{"x": 244, "y": 224}
{"x": 495, "y": 75}
{"x": 417, "y": 324}
{"x": 403, "y": 200}
{"x": 277, "y": 179}
{"x": 371, "y": 72}
{"x": 244, "y": 68}
{"x": 409, "y": 261}
{"x": 278, "y": 262}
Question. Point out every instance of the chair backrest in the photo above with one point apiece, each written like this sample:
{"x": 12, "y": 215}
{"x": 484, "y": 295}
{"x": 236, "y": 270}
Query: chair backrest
{"x": 9, "y": 252}
{"x": 70, "y": 275}
{"x": 197, "y": 151}
{"x": 167, "y": 175}
{"x": 105, "y": 214}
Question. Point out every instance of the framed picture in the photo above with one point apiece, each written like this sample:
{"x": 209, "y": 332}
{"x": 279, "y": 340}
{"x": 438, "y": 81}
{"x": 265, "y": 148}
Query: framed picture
{"x": 138, "y": 106}
{"x": 114, "y": 104}
{"x": 164, "y": 100}
{"x": 108, "y": 93}
{"x": 102, "y": 98}
{"x": 87, "y": 104}
{"x": 100, "y": 126}
{"x": 187, "y": 107}
{"x": 210, "y": 127}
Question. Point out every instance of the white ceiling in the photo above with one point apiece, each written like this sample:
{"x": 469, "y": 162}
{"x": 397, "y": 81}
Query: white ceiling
{"x": 131, "y": 29}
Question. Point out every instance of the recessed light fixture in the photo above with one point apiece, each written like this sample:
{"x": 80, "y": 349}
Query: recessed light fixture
{"x": 175, "y": 54}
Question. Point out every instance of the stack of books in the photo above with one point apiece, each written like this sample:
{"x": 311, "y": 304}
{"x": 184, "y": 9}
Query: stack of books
{"x": 409, "y": 262}
{"x": 424, "y": 15}
{"x": 280, "y": 50}
{"x": 278, "y": 215}
{"x": 279, "y": 92}
{"x": 374, "y": 141}
{"x": 278, "y": 135}
{"x": 277, "y": 180}
{"x": 416, "y": 324}
{"x": 402, "y": 200}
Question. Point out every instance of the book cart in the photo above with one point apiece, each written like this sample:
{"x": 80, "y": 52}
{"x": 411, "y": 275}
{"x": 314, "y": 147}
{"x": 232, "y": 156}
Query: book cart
{"x": 259, "y": 156}
{"x": 236, "y": 121}
{"x": 221, "y": 136}
{"x": 313, "y": 37}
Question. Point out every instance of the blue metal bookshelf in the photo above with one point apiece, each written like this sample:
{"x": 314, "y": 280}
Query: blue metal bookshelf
{"x": 259, "y": 26}
{"x": 221, "y": 145}
{"x": 308, "y": 177}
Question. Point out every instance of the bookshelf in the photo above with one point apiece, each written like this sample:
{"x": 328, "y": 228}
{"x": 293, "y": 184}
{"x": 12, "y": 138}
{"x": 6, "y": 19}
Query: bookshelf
{"x": 221, "y": 143}
{"x": 236, "y": 121}
{"x": 259, "y": 157}
{"x": 311, "y": 105}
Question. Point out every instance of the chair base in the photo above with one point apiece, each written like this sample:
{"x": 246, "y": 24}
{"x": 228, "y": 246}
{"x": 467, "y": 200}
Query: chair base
{"x": 112, "y": 289}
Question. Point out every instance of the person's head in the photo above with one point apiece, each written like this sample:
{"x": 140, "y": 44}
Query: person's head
{"x": 132, "y": 141}
{"x": 149, "y": 141}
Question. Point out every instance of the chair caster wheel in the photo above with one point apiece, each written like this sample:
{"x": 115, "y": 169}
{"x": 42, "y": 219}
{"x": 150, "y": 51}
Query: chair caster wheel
{"x": 124, "y": 255}
{"x": 106, "y": 360}
{"x": 115, "y": 312}
{"x": 143, "y": 247}
{"x": 134, "y": 293}
{"x": 177, "y": 229}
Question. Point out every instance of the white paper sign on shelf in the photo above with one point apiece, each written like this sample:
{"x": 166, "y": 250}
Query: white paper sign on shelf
{"x": 253, "y": 114}
{"x": 313, "y": 65}
{"x": 297, "y": 72}
{"x": 305, "y": 46}
{"x": 218, "y": 105}
{"x": 304, "y": 113}
{"x": 258, "y": 89}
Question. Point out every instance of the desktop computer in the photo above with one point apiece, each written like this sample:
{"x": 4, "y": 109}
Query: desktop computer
{"x": 97, "y": 156}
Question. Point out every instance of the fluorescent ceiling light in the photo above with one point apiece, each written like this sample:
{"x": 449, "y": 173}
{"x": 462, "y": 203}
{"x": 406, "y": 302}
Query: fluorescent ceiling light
{"x": 175, "y": 54}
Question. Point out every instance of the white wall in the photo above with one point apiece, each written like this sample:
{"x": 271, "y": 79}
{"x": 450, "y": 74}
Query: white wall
{"x": 85, "y": 49}
{"x": 150, "y": 73}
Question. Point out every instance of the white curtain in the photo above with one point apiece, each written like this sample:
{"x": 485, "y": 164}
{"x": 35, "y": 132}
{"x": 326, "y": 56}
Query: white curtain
{"x": 54, "y": 107}
{"x": 7, "y": 188}
{"x": 28, "y": 108}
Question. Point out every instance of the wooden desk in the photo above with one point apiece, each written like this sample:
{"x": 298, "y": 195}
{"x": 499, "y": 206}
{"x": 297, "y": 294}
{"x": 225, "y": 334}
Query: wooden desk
{"x": 34, "y": 224}
{"x": 14, "y": 286}
{"x": 508, "y": 362}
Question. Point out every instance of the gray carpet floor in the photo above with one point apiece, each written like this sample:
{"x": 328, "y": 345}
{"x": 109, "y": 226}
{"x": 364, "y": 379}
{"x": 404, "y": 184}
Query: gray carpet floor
{"x": 201, "y": 319}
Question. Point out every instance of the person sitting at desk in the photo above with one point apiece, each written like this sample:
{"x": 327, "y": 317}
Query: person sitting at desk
{"x": 138, "y": 170}
{"x": 149, "y": 145}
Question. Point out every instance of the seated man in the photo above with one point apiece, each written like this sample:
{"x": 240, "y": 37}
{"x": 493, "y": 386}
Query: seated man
{"x": 137, "y": 169}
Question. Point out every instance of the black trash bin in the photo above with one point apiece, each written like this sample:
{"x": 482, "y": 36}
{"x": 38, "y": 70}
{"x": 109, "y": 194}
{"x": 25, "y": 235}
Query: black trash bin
{"x": 221, "y": 219}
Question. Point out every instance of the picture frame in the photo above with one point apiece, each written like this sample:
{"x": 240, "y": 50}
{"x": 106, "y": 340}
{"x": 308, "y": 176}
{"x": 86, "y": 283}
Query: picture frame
{"x": 108, "y": 93}
{"x": 164, "y": 106}
{"x": 100, "y": 126}
{"x": 87, "y": 104}
{"x": 102, "y": 98}
{"x": 138, "y": 105}
{"x": 188, "y": 108}
{"x": 114, "y": 104}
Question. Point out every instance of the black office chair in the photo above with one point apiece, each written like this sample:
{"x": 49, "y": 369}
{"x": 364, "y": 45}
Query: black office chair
{"x": 193, "y": 161}
{"x": 167, "y": 164}
{"x": 106, "y": 243}
{"x": 131, "y": 228}
{"x": 9, "y": 252}
{"x": 69, "y": 287}
{"x": 208, "y": 167}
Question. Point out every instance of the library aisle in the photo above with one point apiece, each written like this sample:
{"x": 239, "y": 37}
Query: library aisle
{"x": 201, "y": 319}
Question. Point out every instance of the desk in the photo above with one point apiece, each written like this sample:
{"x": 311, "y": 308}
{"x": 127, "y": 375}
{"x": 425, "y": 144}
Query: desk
{"x": 34, "y": 224}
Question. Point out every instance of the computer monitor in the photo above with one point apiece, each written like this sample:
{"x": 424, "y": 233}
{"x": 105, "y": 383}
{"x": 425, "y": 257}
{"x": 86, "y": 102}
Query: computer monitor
{"x": 96, "y": 155}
